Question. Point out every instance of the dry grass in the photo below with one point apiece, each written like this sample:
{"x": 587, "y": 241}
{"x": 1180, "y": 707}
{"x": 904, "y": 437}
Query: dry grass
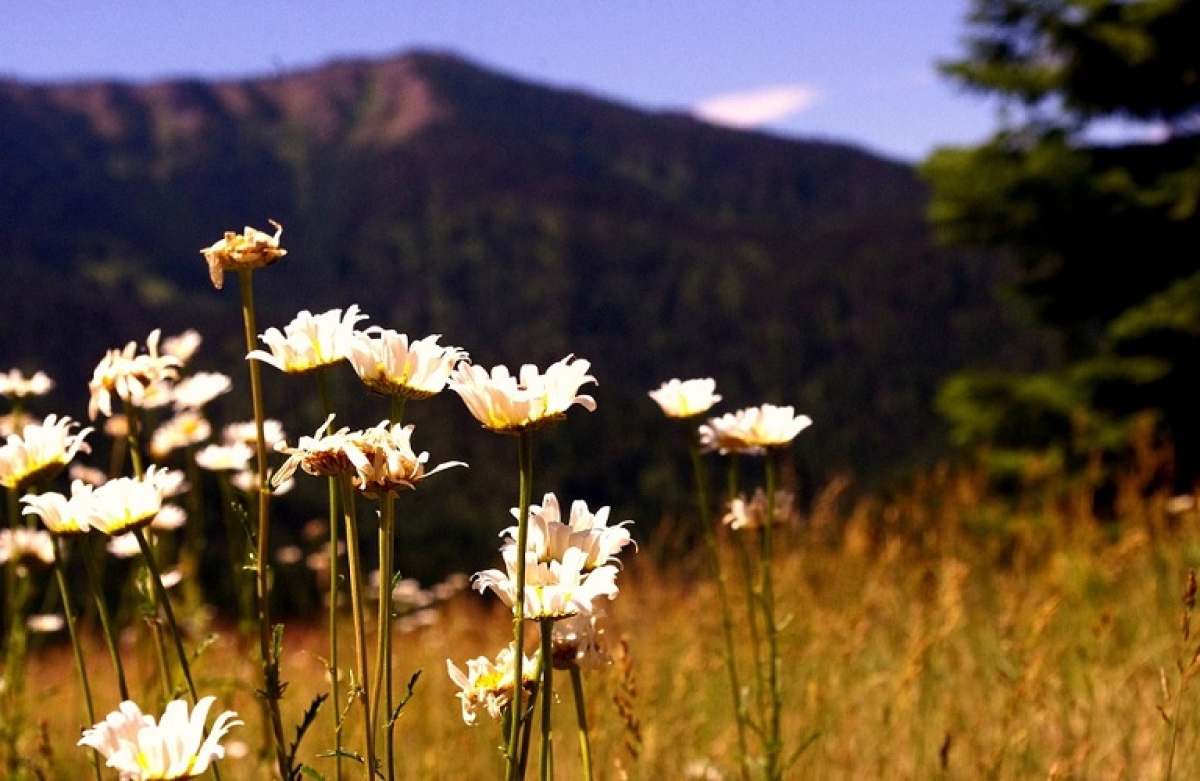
{"x": 942, "y": 635}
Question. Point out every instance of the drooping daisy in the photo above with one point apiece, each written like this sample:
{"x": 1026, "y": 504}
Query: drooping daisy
{"x": 384, "y": 461}
{"x": 577, "y": 642}
{"x": 310, "y": 341}
{"x": 488, "y": 683}
{"x": 389, "y": 364}
{"x": 507, "y": 404}
{"x": 130, "y": 376}
{"x": 752, "y": 430}
{"x": 686, "y": 398}
{"x": 40, "y": 451}
{"x": 323, "y": 453}
{"x": 141, "y": 748}
{"x": 253, "y": 249}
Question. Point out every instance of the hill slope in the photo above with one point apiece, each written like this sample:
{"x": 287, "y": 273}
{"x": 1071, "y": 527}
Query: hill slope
{"x": 521, "y": 222}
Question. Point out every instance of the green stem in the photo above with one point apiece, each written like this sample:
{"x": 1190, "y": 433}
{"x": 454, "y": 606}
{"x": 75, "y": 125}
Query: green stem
{"x": 164, "y": 604}
{"x": 131, "y": 438}
{"x": 585, "y": 743}
{"x": 262, "y": 570}
{"x": 96, "y": 584}
{"x": 774, "y": 743}
{"x": 727, "y": 633}
{"x": 547, "y": 628}
{"x": 334, "y": 587}
{"x": 516, "y": 767}
{"x": 383, "y": 657}
{"x": 72, "y": 630}
{"x": 360, "y": 631}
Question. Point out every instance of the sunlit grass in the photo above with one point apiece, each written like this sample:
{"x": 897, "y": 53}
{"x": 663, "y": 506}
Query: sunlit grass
{"x": 941, "y": 634}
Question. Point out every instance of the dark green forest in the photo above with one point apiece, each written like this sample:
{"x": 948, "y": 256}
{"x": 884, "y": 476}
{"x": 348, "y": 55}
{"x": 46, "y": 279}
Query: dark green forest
{"x": 522, "y": 223}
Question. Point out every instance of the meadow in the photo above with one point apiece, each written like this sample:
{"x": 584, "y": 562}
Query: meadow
{"x": 948, "y": 629}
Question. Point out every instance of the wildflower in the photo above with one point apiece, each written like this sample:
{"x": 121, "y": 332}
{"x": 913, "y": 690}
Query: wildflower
{"x": 188, "y": 427}
{"x": 253, "y": 249}
{"x": 752, "y": 513}
{"x": 127, "y": 503}
{"x": 174, "y": 747}
{"x": 489, "y": 684}
{"x": 40, "y": 452}
{"x": 195, "y": 391}
{"x": 60, "y": 514}
{"x": 26, "y": 548}
{"x": 388, "y": 364}
{"x": 321, "y": 454}
{"x": 508, "y": 404}
{"x": 15, "y": 385}
{"x": 384, "y": 460}
{"x": 554, "y": 589}
{"x": 575, "y": 642}
{"x": 130, "y": 375}
{"x": 225, "y": 458}
{"x": 310, "y": 341}
{"x": 549, "y": 538}
{"x": 752, "y": 430}
{"x": 686, "y": 398}
{"x": 247, "y": 432}
{"x": 182, "y": 346}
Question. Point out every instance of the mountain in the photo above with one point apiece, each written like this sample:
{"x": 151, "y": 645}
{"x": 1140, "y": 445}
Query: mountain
{"x": 523, "y": 223}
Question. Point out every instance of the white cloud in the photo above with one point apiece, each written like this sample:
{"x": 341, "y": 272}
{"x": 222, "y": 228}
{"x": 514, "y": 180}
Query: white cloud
{"x": 755, "y": 108}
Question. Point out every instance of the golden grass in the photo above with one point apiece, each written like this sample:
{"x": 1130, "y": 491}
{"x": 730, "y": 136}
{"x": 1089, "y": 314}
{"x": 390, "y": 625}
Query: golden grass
{"x": 946, "y": 634}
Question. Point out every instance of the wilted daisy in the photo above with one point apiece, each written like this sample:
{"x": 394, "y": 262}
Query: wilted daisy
{"x": 384, "y": 461}
{"x": 508, "y": 404}
{"x": 488, "y": 683}
{"x": 188, "y": 427}
{"x": 389, "y": 364}
{"x": 40, "y": 451}
{"x": 321, "y": 454}
{"x": 15, "y": 385}
{"x": 310, "y": 341}
{"x": 253, "y": 249}
{"x": 686, "y": 398}
{"x": 752, "y": 430}
{"x": 554, "y": 589}
{"x": 752, "y": 514}
{"x": 196, "y": 390}
{"x": 127, "y": 503}
{"x": 26, "y": 547}
{"x": 130, "y": 375}
{"x": 174, "y": 747}
{"x": 549, "y": 537}
{"x": 61, "y": 514}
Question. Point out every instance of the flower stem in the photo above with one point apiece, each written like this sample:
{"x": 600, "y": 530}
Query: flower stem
{"x": 547, "y": 628}
{"x": 383, "y": 657}
{"x": 96, "y": 584}
{"x": 774, "y": 740}
{"x": 516, "y": 766}
{"x": 72, "y": 630}
{"x": 585, "y": 743}
{"x": 334, "y": 587}
{"x": 262, "y": 581}
{"x": 164, "y": 604}
{"x": 360, "y": 631}
{"x": 714, "y": 552}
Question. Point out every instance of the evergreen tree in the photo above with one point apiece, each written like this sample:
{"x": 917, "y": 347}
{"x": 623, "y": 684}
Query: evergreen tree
{"x": 1107, "y": 233}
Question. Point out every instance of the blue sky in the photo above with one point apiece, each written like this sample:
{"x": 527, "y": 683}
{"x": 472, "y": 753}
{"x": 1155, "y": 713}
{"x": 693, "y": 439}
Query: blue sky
{"x": 859, "y": 71}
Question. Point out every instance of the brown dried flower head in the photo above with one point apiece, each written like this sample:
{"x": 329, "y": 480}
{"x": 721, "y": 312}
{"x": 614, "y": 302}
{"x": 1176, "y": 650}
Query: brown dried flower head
{"x": 252, "y": 249}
